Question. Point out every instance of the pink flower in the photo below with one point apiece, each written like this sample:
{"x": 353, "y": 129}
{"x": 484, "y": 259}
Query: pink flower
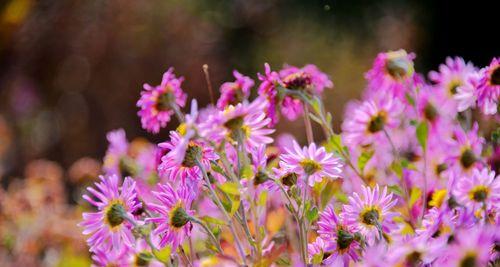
{"x": 267, "y": 89}
{"x": 235, "y": 92}
{"x": 114, "y": 160}
{"x": 452, "y": 75}
{"x": 488, "y": 90}
{"x": 366, "y": 123}
{"x": 108, "y": 227}
{"x": 338, "y": 239}
{"x": 390, "y": 73}
{"x": 308, "y": 78}
{"x": 371, "y": 213}
{"x": 174, "y": 210}
{"x": 157, "y": 102}
{"x": 181, "y": 159}
{"x": 311, "y": 162}
{"x": 465, "y": 148}
{"x": 480, "y": 190}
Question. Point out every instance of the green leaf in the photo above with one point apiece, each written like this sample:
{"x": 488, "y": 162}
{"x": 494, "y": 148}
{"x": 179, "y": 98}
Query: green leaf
{"x": 422, "y": 133}
{"x": 163, "y": 254}
{"x": 410, "y": 99}
{"x": 363, "y": 159}
{"x": 395, "y": 189}
{"x": 316, "y": 105}
{"x": 334, "y": 144}
{"x": 262, "y": 198}
{"x": 246, "y": 172}
{"x": 495, "y": 136}
{"x": 341, "y": 197}
{"x": 216, "y": 167}
{"x": 397, "y": 169}
{"x": 230, "y": 188}
{"x": 327, "y": 193}
{"x": 415, "y": 194}
{"x": 213, "y": 220}
{"x": 312, "y": 214}
{"x": 235, "y": 205}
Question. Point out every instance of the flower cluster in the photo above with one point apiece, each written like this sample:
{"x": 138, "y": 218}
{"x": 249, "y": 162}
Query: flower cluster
{"x": 409, "y": 181}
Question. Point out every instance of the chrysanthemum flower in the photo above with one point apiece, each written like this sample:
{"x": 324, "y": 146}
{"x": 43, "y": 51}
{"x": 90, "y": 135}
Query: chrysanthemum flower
{"x": 108, "y": 227}
{"x": 465, "y": 148}
{"x": 452, "y": 75}
{"x": 390, "y": 72}
{"x": 438, "y": 223}
{"x": 311, "y": 162}
{"x": 268, "y": 90}
{"x": 111, "y": 258}
{"x": 340, "y": 239}
{"x": 308, "y": 78}
{"x": 115, "y": 160}
{"x": 371, "y": 213}
{"x": 488, "y": 91}
{"x": 414, "y": 252}
{"x": 480, "y": 190}
{"x": 174, "y": 210}
{"x": 365, "y": 125}
{"x": 156, "y": 102}
{"x": 247, "y": 122}
{"x": 183, "y": 154}
{"x": 235, "y": 92}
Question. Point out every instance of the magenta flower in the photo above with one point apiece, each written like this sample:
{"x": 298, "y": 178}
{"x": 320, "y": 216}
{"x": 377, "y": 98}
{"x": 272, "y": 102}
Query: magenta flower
{"x": 235, "y": 92}
{"x": 390, "y": 73}
{"x": 308, "y": 78}
{"x": 268, "y": 90}
{"x": 438, "y": 223}
{"x": 466, "y": 95}
{"x": 488, "y": 91}
{"x": 116, "y": 154}
{"x": 157, "y": 102}
{"x": 415, "y": 252}
{"x": 311, "y": 162}
{"x": 339, "y": 238}
{"x": 174, "y": 210}
{"x": 111, "y": 258}
{"x": 108, "y": 227}
{"x": 181, "y": 159}
{"x": 371, "y": 213}
{"x": 452, "y": 75}
{"x": 465, "y": 148}
{"x": 480, "y": 190}
{"x": 366, "y": 123}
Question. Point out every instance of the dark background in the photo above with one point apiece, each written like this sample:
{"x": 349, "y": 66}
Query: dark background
{"x": 72, "y": 70}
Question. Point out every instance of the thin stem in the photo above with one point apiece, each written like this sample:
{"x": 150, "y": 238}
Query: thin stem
{"x": 208, "y": 231}
{"x": 393, "y": 147}
{"x": 209, "y": 84}
{"x": 186, "y": 260}
{"x": 307, "y": 123}
{"x": 177, "y": 111}
{"x": 424, "y": 193}
{"x": 224, "y": 212}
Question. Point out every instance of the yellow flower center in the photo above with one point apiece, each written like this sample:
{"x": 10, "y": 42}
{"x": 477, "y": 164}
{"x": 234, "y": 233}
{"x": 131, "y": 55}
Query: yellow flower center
{"x": 114, "y": 214}
{"x": 438, "y": 197}
{"x": 377, "y": 122}
{"x": 310, "y": 166}
{"x": 479, "y": 193}
{"x": 370, "y": 216}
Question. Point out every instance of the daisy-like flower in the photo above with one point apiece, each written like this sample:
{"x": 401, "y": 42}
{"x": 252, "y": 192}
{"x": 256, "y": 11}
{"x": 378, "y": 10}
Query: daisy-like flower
{"x": 311, "y": 162}
{"x": 174, "y": 212}
{"x": 488, "y": 91}
{"x": 267, "y": 89}
{"x": 157, "y": 103}
{"x": 111, "y": 258}
{"x": 371, "y": 213}
{"x": 247, "y": 122}
{"x": 108, "y": 227}
{"x": 438, "y": 223}
{"x": 452, "y": 75}
{"x": 465, "y": 148}
{"x": 367, "y": 121}
{"x": 115, "y": 160}
{"x": 235, "y": 92}
{"x": 414, "y": 252}
{"x": 466, "y": 95}
{"x": 390, "y": 72}
{"x": 339, "y": 239}
{"x": 181, "y": 159}
{"x": 308, "y": 78}
{"x": 480, "y": 190}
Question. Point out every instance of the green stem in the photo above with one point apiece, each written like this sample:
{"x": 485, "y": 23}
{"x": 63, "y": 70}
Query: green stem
{"x": 208, "y": 231}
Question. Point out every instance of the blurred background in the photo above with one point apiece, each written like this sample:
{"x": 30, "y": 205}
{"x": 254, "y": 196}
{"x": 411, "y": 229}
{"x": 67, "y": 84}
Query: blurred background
{"x": 72, "y": 70}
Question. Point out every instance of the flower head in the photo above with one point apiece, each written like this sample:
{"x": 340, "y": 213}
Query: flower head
{"x": 452, "y": 75}
{"x": 480, "y": 190}
{"x": 157, "y": 102}
{"x": 488, "y": 90}
{"x": 340, "y": 239}
{"x": 369, "y": 119}
{"x": 184, "y": 154}
{"x": 371, "y": 213}
{"x": 267, "y": 89}
{"x": 115, "y": 160}
{"x": 235, "y": 92}
{"x": 174, "y": 210}
{"x": 108, "y": 227}
{"x": 308, "y": 78}
{"x": 311, "y": 162}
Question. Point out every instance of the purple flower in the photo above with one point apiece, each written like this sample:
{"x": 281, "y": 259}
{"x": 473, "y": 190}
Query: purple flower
{"x": 465, "y": 148}
{"x": 157, "y": 102}
{"x": 268, "y": 90}
{"x": 339, "y": 238}
{"x": 235, "y": 92}
{"x": 308, "y": 78}
{"x": 480, "y": 190}
{"x": 488, "y": 90}
{"x": 181, "y": 159}
{"x": 108, "y": 227}
{"x": 371, "y": 213}
{"x": 115, "y": 158}
{"x": 174, "y": 210}
{"x": 311, "y": 162}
